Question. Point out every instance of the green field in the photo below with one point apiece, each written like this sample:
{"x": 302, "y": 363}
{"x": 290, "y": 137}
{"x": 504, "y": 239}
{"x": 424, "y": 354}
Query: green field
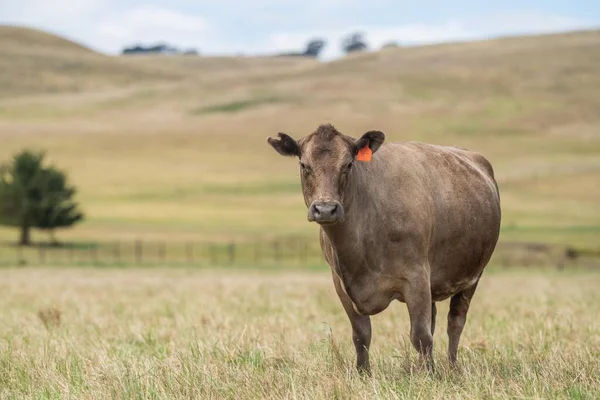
{"x": 213, "y": 334}
{"x": 173, "y": 148}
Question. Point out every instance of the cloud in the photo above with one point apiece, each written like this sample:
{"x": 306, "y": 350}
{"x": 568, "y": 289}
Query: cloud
{"x": 266, "y": 26}
{"x": 150, "y": 24}
{"x": 41, "y": 11}
{"x": 108, "y": 25}
{"x": 414, "y": 34}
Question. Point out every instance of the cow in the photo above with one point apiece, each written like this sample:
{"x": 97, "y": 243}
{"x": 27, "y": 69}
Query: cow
{"x": 406, "y": 221}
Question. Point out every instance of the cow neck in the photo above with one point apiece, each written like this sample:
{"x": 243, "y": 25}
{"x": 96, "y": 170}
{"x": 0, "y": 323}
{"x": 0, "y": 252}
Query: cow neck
{"x": 346, "y": 236}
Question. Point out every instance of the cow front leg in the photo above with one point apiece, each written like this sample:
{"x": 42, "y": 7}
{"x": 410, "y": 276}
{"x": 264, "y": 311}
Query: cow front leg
{"x": 361, "y": 329}
{"x": 420, "y": 310}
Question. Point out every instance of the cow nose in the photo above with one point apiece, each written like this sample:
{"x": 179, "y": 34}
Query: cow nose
{"x": 325, "y": 212}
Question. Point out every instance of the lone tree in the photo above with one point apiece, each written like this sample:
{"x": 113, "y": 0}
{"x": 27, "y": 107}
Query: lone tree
{"x": 35, "y": 196}
{"x": 314, "y": 48}
{"x": 354, "y": 42}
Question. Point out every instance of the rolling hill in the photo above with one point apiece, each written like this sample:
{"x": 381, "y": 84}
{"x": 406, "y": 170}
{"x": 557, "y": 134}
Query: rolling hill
{"x": 34, "y": 61}
{"x": 174, "y": 147}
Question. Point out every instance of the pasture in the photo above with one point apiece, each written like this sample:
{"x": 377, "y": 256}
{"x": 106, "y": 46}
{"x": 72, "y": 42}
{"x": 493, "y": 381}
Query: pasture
{"x": 231, "y": 334}
{"x": 172, "y": 151}
{"x": 175, "y": 148}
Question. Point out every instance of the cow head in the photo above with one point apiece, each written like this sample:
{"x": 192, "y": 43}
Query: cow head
{"x": 327, "y": 161}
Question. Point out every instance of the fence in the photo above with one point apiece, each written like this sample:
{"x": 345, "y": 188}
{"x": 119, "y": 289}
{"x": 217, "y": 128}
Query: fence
{"x": 290, "y": 250}
{"x": 286, "y": 250}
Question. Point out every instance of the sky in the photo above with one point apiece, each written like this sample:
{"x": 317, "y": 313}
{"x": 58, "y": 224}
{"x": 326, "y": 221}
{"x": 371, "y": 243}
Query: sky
{"x": 229, "y": 27}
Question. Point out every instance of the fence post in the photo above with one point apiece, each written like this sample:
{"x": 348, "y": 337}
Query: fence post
{"x": 94, "y": 254}
{"x": 138, "y": 252}
{"x": 189, "y": 251}
{"x": 231, "y": 253}
{"x": 212, "y": 254}
{"x": 303, "y": 251}
{"x": 42, "y": 254}
{"x": 162, "y": 253}
{"x": 256, "y": 252}
{"x": 276, "y": 250}
{"x": 21, "y": 260}
{"x": 117, "y": 252}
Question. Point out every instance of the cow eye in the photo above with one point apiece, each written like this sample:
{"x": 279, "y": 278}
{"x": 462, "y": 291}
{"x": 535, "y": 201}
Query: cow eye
{"x": 350, "y": 164}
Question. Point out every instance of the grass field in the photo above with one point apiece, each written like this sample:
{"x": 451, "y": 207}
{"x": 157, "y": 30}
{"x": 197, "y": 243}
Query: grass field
{"x": 172, "y": 151}
{"x": 174, "y": 147}
{"x": 188, "y": 333}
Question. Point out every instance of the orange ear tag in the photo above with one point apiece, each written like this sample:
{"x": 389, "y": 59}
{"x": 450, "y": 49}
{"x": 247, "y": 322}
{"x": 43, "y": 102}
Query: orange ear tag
{"x": 364, "y": 154}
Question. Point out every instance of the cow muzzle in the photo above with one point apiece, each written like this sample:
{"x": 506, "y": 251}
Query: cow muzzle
{"x": 325, "y": 212}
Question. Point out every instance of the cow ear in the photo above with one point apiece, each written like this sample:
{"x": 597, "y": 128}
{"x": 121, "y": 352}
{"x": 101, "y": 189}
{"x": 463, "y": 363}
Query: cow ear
{"x": 373, "y": 139}
{"x": 285, "y": 145}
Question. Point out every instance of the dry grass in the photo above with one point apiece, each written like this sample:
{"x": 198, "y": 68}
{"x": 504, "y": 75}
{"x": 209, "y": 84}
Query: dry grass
{"x": 184, "y": 333}
{"x": 174, "y": 148}
{"x": 179, "y": 151}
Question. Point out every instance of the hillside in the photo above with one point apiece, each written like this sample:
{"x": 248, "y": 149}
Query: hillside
{"x": 16, "y": 37}
{"x": 175, "y": 146}
{"x": 36, "y": 62}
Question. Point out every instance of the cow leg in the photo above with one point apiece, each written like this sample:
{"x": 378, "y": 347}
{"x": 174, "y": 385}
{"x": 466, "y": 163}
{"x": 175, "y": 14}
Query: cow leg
{"x": 457, "y": 316}
{"x": 420, "y": 310}
{"x": 361, "y": 329}
{"x": 433, "y": 315}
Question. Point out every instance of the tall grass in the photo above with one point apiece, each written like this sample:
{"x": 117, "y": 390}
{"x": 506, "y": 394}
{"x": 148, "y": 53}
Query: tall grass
{"x": 72, "y": 333}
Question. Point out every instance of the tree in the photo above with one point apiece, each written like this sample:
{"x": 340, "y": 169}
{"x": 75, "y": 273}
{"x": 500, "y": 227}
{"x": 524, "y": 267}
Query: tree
{"x": 314, "y": 47}
{"x": 35, "y": 196}
{"x": 354, "y": 42}
{"x": 160, "y": 48}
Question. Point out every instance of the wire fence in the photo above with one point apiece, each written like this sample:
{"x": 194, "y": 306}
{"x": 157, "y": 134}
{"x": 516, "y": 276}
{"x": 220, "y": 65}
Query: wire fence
{"x": 289, "y": 250}
{"x": 286, "y": 250}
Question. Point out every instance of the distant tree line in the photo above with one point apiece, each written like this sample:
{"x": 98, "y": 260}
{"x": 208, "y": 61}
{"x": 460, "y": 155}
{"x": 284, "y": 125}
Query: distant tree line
{"x": 161, "y": 48}
{"x": 313, "y": 49}
{"x": 353, "y": 42}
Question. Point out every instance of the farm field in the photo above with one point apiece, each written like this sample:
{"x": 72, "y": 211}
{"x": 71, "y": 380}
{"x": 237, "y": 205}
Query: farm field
{"x": 173, "y": 148}
{"x": 195, "y": 273}
{"x": 240, "y": 334}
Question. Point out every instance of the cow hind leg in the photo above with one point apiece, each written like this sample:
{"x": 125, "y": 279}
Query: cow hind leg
{"x": 457, "y": 317}
{"x": 433, "y": 316}
{"x": 420, "y": 310}
{"x": 361, "y": 330}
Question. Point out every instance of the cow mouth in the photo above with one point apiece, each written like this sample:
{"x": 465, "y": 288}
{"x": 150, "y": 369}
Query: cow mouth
{"x": 327, "y": 223}
{"x": 323, "y": 222}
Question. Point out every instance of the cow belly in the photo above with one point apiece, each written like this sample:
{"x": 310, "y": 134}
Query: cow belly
{"x": 457, "y": 264}
{"x": 369, "y": 296}
{"x": 451, "y": 275}
{"x": 442, "y": 291}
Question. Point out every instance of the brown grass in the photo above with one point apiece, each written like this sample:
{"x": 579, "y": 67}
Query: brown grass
{"x": 184, "y": 333}
{"x": 50, "y": 317}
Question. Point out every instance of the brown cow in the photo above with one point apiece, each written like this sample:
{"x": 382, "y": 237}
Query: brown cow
{"x": 418, "y": 224}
